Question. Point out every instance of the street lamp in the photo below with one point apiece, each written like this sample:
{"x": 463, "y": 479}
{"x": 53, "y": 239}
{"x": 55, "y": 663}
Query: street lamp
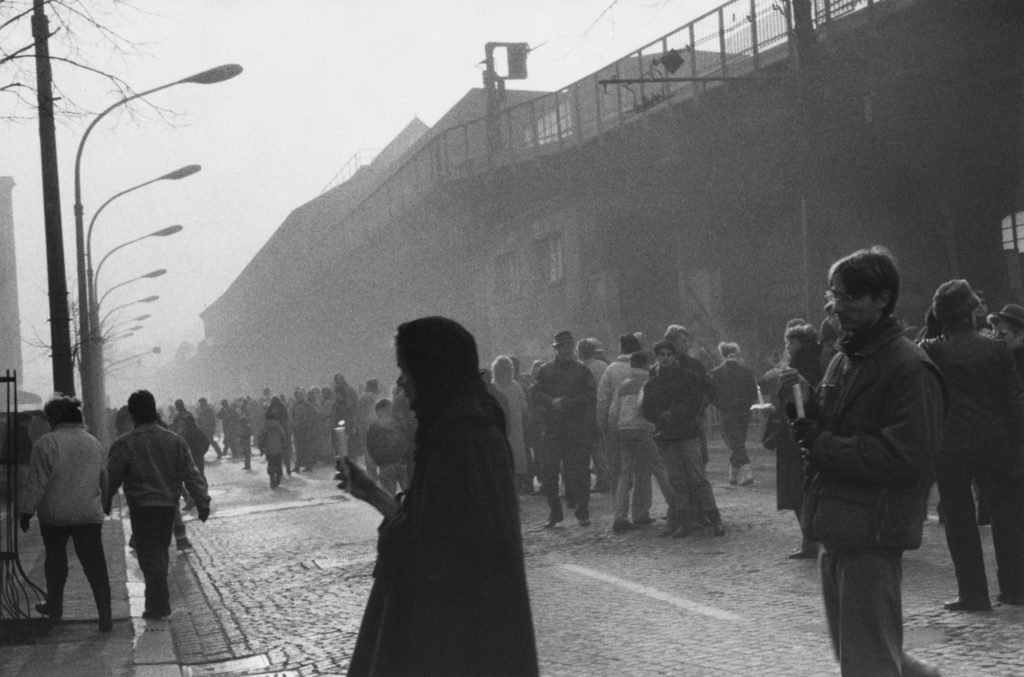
{"x": 155, "y": 350}
{"x": 151, "y": 274}
{"x": 163, "y": 232}
{"x": 148, "y": 299}
{"x": 94, "y": 398}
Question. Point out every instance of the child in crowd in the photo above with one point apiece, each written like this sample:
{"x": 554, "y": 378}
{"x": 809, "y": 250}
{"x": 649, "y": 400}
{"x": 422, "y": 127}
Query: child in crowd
{"x": 384, "y": 444}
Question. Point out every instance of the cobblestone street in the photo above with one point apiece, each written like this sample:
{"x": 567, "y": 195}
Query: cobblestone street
{"x": 284, "y": 576}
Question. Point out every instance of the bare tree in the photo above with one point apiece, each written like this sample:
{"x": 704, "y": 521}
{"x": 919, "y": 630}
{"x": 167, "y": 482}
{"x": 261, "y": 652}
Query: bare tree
{"x": 84, "y": 38}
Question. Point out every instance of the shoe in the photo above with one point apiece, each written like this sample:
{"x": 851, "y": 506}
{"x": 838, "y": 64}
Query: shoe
{"x": 184, "y": 544}
{"x": 552, "y": 521}
{"x": 803, "y": 551}
{"x": 734, "y": 475}
{"x": 968, "y": 605}
{"x": 746, "y": 475}
{"x": 719, "y": 529}
{"x": 152, "y": 615}
{"x": 584, "y": 522}
{"x": 44, "y": 609}
{"x": 619, "y": 527}
{"x": 1015, "y": 600}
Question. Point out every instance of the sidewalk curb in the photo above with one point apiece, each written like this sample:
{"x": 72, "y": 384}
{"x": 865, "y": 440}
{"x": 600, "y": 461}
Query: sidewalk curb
{"x": 153, "y": 654}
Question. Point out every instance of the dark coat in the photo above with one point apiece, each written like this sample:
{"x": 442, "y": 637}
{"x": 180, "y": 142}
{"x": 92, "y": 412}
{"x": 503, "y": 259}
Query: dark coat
{"x": 734, "y": 387}
{"x": 789, "y": 469}
{"x": 449, "y": 596}
{"x": 986, "y": 398}
{"x": 882, "y": 403}
{"x": 673, "y": 399}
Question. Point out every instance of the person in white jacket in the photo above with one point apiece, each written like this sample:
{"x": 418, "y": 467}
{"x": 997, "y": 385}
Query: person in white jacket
{"x": 638, "y": 454}
{"x": 67, "y": 484}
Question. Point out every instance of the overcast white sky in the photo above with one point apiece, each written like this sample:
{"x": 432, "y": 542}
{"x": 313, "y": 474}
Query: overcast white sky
{"x": 323, "y": 79}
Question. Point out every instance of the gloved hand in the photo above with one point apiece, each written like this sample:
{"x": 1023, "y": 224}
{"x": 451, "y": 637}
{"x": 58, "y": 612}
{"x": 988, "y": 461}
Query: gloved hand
{"x": 805, "y": 431}
{"x": 24, "y": 521}
{"x": 203, "y": 512}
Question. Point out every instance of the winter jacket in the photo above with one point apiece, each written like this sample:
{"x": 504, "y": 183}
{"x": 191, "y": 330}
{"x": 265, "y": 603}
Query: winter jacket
{"x": 986, "y": 398}
{"x": 571, "y": 381}
{"x": 673, "y": 399}
{"x": 881, "y": 407}
{"x": 734, "y": 387}
{"x": 617, "y": 372}
{"x": 67, "y": 478}
{"x": 152, "y": 463}
{"x": 626, "y": 411}
{"x": 273, "y": 439}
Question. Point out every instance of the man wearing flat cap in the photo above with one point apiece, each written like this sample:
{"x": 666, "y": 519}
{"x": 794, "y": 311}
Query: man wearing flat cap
{"x": 1009, "y": 328}
{"x": 566, "y": 394}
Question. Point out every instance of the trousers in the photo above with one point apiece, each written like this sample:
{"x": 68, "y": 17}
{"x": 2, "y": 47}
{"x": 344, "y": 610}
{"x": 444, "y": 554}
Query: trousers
{"x": 690, "y": 486}
{"x": 152, "y": 527}
{"x": 88, "y": 542}
{"x": 567, "y": 452}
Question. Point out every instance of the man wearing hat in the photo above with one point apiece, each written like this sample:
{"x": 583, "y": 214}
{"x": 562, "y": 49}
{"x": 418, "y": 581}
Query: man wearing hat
{"x": 1009, "y": 328}
{"x": 566, "y": 394}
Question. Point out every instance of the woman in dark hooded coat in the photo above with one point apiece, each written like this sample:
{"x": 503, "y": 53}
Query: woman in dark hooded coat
{"x": 449, "y": 595}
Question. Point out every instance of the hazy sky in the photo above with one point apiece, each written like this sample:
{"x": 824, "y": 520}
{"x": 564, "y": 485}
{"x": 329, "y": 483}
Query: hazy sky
{"x": 323, "y": 79}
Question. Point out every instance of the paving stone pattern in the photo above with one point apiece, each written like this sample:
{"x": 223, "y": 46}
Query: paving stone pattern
{"x": 287, "y": 574}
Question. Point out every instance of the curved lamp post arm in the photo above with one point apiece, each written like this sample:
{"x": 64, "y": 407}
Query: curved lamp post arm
{"x": 154, "y": 351}
{"x": 155, "y": 273}
{"x": 163, "y": 232}
{"x": 148, "y": 299}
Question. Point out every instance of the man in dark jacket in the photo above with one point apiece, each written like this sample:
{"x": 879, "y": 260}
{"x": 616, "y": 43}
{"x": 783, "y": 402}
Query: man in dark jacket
{"x": 153, "y": 464}
{"x": 868, "y": 435}
{"x": 566, "y": 394}
{"x": 735, "y": 390}
{"x": 982, "y": 443}
{"x": 673, "y": 399}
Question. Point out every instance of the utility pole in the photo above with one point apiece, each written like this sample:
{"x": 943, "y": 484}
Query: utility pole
{"x": 60, "y": 322}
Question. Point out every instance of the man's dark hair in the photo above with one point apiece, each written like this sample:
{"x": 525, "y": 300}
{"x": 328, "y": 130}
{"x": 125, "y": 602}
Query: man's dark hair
{"x": 585, "y": 349}
{"x": 869, "y": 271}
{"x": 142, "y": 407}
{"x": 629, "y": 344}
{"x": 954, "y": 304}
{"x": 664, "y": 344}
{"x": 639, "y": 359}
{"x": 63, "y": 409}
{"x": 383, "y": 403}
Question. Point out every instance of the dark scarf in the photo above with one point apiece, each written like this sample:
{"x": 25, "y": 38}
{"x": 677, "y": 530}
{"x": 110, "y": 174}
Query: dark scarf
{"x": 865, "y": 342}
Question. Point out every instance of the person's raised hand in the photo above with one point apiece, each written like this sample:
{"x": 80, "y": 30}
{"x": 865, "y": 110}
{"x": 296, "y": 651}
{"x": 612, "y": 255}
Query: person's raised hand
{"x": 354, "y": 480}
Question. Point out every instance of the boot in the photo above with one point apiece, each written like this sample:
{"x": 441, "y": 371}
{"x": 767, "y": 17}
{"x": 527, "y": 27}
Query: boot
{"x": 746, "y": 475}
{"x": 734, "y": 475}
{"x": 103, "y": 607}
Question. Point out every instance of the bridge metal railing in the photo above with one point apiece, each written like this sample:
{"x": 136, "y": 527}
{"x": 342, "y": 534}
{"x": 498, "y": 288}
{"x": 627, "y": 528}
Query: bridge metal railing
{"x": 739, "y": 38}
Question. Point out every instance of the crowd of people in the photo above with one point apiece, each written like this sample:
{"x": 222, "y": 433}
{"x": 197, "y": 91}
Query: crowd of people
{"x": 865, "y": 415}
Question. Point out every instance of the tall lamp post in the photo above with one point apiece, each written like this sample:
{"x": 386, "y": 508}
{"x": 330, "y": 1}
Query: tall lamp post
{"x": 94, "y": 400}
{"x": 159, "y": 272}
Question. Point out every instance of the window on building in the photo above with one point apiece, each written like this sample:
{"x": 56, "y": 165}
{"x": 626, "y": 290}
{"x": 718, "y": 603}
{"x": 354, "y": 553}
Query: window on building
{"x": 1013, "y": 232}
{"x": 550, "y": 260}
{"x": 554, "y": 124}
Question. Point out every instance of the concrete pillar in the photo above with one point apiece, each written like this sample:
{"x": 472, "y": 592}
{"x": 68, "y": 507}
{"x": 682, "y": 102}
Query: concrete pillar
{"x": 10, "y": 317}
